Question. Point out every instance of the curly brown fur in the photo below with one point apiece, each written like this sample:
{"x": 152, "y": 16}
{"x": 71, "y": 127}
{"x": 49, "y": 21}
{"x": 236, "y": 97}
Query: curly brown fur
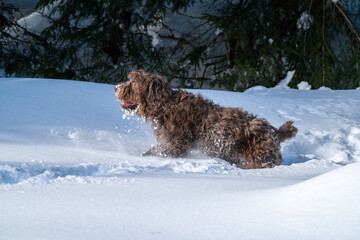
{"x": 181, "y": 121}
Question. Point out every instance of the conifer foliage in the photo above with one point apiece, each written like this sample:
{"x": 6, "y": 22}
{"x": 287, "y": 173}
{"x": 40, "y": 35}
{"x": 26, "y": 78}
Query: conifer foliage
{"x": 224, "y": 44}
{"x": 262, "y": 40}
{"x": 91, "y": 40}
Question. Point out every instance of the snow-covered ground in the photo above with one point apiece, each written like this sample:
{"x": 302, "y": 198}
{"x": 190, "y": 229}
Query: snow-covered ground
{"x": 71, "y": 168}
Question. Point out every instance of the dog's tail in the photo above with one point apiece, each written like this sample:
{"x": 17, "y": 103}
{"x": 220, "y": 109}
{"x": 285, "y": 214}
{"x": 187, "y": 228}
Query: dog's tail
{"x": 287, "y": 130}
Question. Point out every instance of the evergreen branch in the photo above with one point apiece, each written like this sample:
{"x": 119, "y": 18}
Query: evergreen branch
{"x": 192, "y": 78}
{"x": 305, "y": 28}
{"x": 181, "y": 14}
{"x": 323, "y": 43}
{"x": 347, "y": 20}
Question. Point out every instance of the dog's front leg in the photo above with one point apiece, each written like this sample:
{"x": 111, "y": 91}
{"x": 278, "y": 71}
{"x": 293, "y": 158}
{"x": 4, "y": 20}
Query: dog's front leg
{"x": 153, "y": 151}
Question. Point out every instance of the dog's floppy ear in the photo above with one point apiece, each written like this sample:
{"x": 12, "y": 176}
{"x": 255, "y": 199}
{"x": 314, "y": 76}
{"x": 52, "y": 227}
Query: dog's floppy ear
{"x": 158, "y": 89}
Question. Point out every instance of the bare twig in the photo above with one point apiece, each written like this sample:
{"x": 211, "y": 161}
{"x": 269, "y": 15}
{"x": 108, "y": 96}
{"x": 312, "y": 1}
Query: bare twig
{"x": 348, "y": 21}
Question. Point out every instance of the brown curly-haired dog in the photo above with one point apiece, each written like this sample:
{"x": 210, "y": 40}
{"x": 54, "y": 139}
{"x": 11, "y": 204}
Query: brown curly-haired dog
{"x": 182, "y": 120}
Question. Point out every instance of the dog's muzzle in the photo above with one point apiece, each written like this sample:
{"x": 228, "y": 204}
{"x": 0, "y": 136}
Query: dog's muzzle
{"x": 117, "y": 87}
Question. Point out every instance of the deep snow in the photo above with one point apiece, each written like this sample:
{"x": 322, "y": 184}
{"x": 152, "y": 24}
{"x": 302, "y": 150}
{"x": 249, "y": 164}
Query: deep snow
{"x": 71, "y": 168}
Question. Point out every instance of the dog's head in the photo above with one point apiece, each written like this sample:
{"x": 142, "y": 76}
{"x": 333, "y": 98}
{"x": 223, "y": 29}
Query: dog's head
{"x": 143, "y": 94}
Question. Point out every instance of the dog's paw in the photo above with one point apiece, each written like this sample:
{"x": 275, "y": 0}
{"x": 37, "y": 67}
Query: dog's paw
{"x": 153, "y": 151}
{"x": 146, "y": 154}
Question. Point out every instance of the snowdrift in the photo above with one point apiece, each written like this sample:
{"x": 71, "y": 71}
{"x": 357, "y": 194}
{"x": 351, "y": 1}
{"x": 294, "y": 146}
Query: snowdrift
{"x": 71, "y": 168}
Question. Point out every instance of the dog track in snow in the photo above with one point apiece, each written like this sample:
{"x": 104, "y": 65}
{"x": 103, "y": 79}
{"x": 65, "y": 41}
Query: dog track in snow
{"x": 40, "y": 172}
{"x": 309, "y": 148}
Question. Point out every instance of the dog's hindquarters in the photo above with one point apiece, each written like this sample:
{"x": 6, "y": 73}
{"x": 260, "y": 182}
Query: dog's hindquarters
{"x": 264, "y": 150}
{"x": 244, "y": 140}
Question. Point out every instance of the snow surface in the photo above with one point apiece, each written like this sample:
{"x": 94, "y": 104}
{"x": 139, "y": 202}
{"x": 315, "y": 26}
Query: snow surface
{"x": 71, "y": 168}
{"x": 285, "y": 82}
{"x": 304, "y": 86}
{"x": 155, "y": 37}
{"x": 305, "y": 21}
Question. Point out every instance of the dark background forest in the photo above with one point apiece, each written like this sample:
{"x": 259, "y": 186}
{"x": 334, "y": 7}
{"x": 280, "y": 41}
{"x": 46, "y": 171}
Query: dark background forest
{"x": 225, "y": 44}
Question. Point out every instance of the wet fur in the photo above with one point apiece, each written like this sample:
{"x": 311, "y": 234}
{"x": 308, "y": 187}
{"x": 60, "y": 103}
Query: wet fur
{"x": 181, "y": 121}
